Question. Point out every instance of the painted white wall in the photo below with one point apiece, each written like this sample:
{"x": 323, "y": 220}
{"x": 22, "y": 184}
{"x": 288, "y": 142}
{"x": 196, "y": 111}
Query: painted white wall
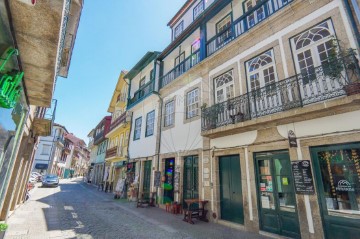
{"x": 136, "y": 80}
{"x": 188, "y": 17}
{"x": 182, "y": 137}
{"x": 185, "y": 46}
{"x": 39, "y": 156}
{"x": 145, "y": 146}
{"x": 342, "y": 122}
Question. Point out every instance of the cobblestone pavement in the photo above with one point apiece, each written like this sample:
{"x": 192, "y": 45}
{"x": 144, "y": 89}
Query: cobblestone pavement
{"x": 77, "y": 210}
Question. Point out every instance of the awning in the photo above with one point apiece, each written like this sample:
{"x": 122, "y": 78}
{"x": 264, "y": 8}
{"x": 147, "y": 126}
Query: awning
{"x": 41, "y": 166}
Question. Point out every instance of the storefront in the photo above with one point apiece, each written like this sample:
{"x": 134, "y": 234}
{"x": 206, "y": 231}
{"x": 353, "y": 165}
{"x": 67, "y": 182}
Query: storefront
{"x": 276, "y": 196}
{"x": 337, "y": 172}
{"x": 191, "y": 178}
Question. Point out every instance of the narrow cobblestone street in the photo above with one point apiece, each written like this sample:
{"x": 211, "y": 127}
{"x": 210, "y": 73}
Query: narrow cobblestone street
{"x": 78, "y": 210}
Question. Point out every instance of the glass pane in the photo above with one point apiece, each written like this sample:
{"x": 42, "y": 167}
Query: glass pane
{"x": 264, "y": 167}
{"x": 340, "y": 171}
{"x": 287, "y": 202}
{"x": 267, "y": 200}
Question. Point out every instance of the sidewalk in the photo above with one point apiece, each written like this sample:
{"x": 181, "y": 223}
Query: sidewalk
{"x": 172, "y": 222}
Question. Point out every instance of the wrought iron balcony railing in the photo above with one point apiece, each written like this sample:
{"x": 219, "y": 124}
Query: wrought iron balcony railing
{"x": 121, "y": 119}
{"x": 257, "y": 14}
{"x": 115, "y": 152}
{"x": 319, "y": 84}
{"x": 46, "y": 113}
{"x": 142, "y": 92}
{"x": 180, "y": 69}
{"x": 99, "y": 137}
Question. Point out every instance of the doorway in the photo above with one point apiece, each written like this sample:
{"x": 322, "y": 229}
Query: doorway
{"x": 276, "y": 194}
{"x": 191, "y": 178}
{"x": 169, "y": 180}
{"x": 147, "y": 176}
{"x": 337, "y": 171}
{"x": 231, "y": 201}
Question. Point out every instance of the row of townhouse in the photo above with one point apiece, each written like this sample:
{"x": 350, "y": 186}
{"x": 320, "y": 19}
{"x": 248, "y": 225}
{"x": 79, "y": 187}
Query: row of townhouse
{"x": 61, "y": 153}
{"x": 36, "y": 44}
{"x": 254, "y": 106}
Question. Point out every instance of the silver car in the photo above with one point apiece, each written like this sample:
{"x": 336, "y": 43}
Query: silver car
{"x": 50, "y": 181}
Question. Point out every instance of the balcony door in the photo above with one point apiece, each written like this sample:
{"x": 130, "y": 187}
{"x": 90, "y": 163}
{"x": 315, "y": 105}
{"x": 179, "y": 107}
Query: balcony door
{"x": 264, "y": 96}
{"x": 191, "y": 178}
{"x": 179, "y": 63}
{"x": 312, "y": 50}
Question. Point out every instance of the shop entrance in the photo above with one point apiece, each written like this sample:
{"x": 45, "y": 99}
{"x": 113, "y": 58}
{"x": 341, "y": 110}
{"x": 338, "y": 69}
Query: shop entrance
{"x": 276, "y": 195}
{"x": 169, "y": 180}
{"x": 146, "y": 182}
{"x": 191, "y": 178}
{"x": 337, "y": 170}
{"x": 231, "y": 201}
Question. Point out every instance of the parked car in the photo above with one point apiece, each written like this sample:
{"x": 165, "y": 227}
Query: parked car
{"x": 37, "y": 175}
{"x": 50, "y": 180}
{"x": 32, "y": 179}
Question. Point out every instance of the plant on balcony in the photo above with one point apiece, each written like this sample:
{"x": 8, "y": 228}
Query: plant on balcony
{"x": 343, "y": 64}
{"x": 210, "y": 115}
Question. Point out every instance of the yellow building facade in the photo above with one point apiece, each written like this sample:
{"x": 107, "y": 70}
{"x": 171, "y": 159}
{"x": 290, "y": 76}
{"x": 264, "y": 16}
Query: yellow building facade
{"x": 118, "y": 136}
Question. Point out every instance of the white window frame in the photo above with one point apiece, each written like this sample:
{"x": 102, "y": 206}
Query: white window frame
{"x": 198, "y": 9}
{"x": 137, "y": 128}
{"x": 150, "y": 123}
{"x": 227, "y": 88}
{"x": 179, "y": 29}
{"x": 192, "y": 103}
{"x": 169, "y": 118}
{"x": 46, "y": 148}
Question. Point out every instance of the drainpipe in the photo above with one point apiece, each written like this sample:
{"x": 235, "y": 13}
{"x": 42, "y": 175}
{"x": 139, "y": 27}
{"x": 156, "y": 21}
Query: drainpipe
{"x": 352, "y": 21}
{"x": 159, "y": 133}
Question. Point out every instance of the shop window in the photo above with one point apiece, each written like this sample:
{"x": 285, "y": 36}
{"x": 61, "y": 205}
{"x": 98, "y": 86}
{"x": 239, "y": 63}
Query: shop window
{"x": 340, "y": 173}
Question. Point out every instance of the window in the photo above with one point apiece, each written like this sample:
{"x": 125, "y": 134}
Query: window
{"x": 192, "y": 103}
{"x": 150, "y": 119}
{"x": 256, "y": 16}
{"x": 152, "y": 74}
{"x": 198, "y": 9}
{"x": 195, "y": 46}
{"x": 142, "y": 82}
{"x": 312, "y": 49}
{"x": 223, "y": 24}
{"x": 179, "y": 59}
{"x": 46, "y": 149}
{"x": 137, "y": 129}
{"x": 224, "y": 87}
{"x": 261, "y": 71}
{"x": 178, "y": 29}
{"x": 169, "y": 113}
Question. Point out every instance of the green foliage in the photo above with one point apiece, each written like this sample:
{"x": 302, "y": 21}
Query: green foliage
{"x": 3, "y": 227}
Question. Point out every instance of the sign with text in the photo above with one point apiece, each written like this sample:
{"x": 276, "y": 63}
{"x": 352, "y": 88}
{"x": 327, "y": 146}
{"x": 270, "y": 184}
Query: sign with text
{"x": 303, "y": 179}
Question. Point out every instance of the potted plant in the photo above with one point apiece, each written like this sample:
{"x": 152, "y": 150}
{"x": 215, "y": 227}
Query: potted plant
{"x": 353, "y": 71}
{"x": 3, "y": 227}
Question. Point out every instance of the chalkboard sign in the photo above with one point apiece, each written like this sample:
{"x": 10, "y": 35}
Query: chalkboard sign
{"x": 176, "y": 182}
{"x": 157, "y": 179}
{"x": 303, "y": 178}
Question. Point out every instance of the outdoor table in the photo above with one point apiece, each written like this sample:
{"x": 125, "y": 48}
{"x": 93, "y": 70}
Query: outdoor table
{"x": 192, "y": 212}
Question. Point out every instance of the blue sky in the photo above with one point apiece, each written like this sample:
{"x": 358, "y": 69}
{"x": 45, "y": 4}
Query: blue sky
{"x": 113, "y": 35}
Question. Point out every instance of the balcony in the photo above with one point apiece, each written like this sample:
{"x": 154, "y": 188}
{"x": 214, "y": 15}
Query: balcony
{"x": 115, "y": 152}
{"x": 99, "y": 138}
{"x": 60, "y": 140}
{"x": 44, "y": 119}
{"x": 141, "y": 93}
{"x": 121, "y": 119}
{"x": 180, "y": 69}
{"x": 322, "y": 83}
{"x": 244, "y": 23}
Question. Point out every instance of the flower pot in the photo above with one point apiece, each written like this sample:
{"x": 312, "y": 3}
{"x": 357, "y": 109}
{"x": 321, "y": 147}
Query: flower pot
{"x": 352, "y": 88}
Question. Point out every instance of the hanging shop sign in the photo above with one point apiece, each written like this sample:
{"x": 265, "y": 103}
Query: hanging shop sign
{"x": 292, "y": 139}
{"x": 303, "y": 179}
{"x": 9, "y": 82}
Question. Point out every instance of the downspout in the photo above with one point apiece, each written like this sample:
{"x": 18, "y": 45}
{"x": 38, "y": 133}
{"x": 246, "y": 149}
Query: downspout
{"x": 353, "y": 22}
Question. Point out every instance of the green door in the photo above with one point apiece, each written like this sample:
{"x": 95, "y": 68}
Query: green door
{"x": 276, "y": 195}
{"x": 191, "y": 178}
{"x": 337, "y": 171}
{"x": 147, "y": 175}
{"x": 231, "y": 202}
